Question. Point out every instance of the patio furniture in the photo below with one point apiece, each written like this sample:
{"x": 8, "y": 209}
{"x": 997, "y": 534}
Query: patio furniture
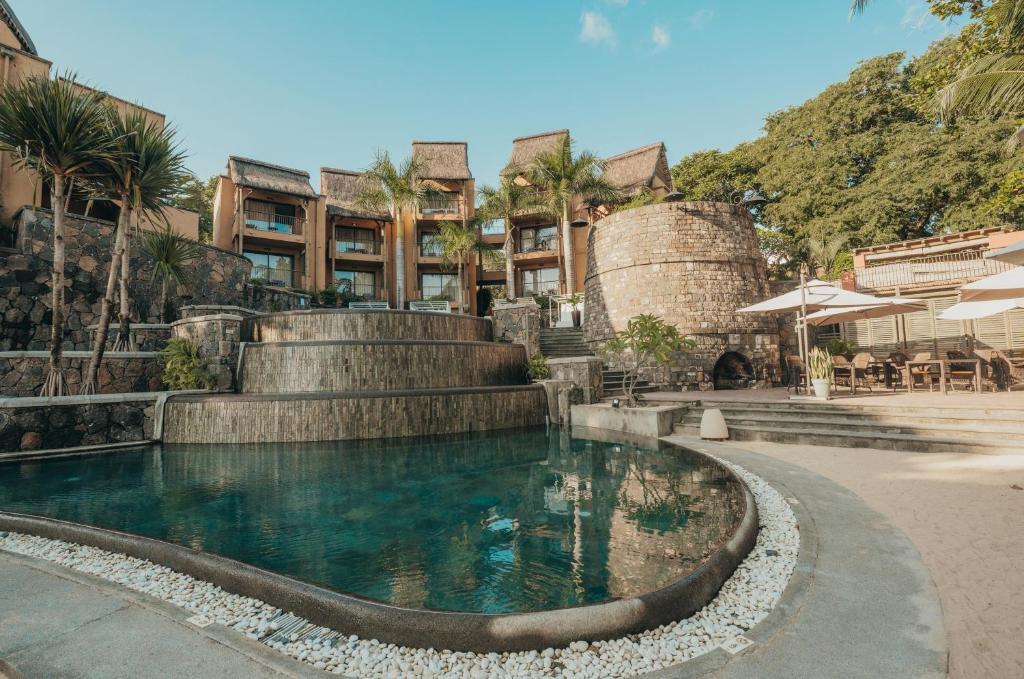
{"x": 894, "y": 368}
{"x": 920, "y": 370}
{"x": 862, "y": 369}
{"x": 964, "y": 370}
{"x": 1008, "y": 372}
{"x": 991, "y": 370}
{"x": 794, "y": 373}
{"x": 437, "y": 306}
{"x": 842, "y": 373}
{"x": 368, "y": 305}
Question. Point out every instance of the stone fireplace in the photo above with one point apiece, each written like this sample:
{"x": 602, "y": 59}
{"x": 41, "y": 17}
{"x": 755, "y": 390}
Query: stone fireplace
{"x": 733, "y": 371}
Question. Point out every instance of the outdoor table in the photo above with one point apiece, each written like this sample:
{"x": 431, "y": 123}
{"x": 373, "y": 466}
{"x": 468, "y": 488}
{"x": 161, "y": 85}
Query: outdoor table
{"x": 888, "y": 370}
{"x": 943, "y": 371}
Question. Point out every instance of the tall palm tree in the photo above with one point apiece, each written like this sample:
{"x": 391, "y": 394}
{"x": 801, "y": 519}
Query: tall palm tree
{"x": 400, "y": 191}
{"x": 504, "y": 202}
{"x": 564, "y": 177}
{"x": 171, "y": 254}
{"x": 58, "y": 130}
{"x": 822, "y": 253}
{"x": 457, "y": 243}
{"x": 143, "y": 173}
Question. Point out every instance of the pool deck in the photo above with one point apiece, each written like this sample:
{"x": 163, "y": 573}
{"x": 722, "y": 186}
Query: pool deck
{"x": 988, "y": 399}
{"x": 863, "y": 602}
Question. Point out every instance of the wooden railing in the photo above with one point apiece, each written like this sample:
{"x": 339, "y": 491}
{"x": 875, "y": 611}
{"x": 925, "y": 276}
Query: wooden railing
{"x": 954, "y": 267}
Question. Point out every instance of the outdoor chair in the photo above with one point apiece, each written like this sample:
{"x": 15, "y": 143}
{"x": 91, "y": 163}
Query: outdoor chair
{"x": 921, "y": 373}
{"x": 991, "y": 372}
{"x": 1012, "y": 371}
{"x": 842, "y": 371}
{"x": 861, "y": 370}
{"x": 795, "y": 373}
{"x": 963, "y": 373}
{"x": 897, "y": 361}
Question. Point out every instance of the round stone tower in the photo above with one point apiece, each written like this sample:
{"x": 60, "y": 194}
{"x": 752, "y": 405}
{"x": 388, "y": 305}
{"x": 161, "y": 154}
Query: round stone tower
{"x": 693, "y": 264}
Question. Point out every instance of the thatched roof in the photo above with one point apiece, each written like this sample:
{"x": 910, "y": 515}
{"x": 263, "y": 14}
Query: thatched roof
{"x": 443, "y": 159}
{"x": 340, "y": 188}
{"x": 8, "y": 17}
{"x": 632, "y": 170}
{"x": 525, "y": 149}
{"x": 256, "y": 174}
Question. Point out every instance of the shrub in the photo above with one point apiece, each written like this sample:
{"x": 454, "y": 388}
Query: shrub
{"x": 537, "y": 367}
{"x": 647, "y": 342}
{"x": 837, "y": 346}
{"x": 183, "y": 368}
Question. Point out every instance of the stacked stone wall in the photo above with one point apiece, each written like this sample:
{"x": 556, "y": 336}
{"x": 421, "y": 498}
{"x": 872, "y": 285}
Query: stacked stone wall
{"x": 22, "y": 373}
{"x": 353, "y": 324}
{"x": 28, "y": 424}
{"x": 692, "y": 264}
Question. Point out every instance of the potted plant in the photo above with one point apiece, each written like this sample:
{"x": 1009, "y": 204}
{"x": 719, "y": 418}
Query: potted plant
{"x": 820, "y": 369}
{"x": 574, "y": 301}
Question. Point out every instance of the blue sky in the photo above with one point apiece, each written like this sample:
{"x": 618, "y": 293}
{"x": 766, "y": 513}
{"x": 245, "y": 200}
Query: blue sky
{"x": 309, "y": 83}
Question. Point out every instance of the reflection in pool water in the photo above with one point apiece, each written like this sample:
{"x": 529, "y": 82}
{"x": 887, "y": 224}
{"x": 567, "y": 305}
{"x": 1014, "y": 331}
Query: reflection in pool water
{"x": 518, "y": 520}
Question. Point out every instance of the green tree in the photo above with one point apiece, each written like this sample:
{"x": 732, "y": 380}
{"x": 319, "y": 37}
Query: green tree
{"x": 564, "y": 176}
{"x": 171, "y": 254}
{"x": 457, "y": 243}
{"x": 646, "y": 342}
{"x": 714, "y": 175}
{"x": 400, "y": 191}
{"x": 58, "y": 130}
{"x": 197, "y": 195}
{"x": 504, "y": 202}
{"x": 1008, "y": 202}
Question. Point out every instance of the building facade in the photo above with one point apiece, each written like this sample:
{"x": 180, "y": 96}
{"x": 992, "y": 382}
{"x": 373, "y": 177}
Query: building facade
{"x": 297, "y": 237}
{"x": 20, "y": 187}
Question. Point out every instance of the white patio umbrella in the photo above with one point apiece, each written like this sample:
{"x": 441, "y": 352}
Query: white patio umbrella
{"x": 812, "y": 295}
{"x": 890, "y": 306}
{"x": 967, "y": 311}
{"x": 1008, "y": 284}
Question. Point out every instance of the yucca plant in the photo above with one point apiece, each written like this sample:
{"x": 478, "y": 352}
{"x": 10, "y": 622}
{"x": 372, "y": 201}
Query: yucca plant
{"x": 171, "y": 255}
{"x": 564, "y": 176}
{"x": 184, "y": 367}
{"x": 58, "y": 130}
{"x": 398, "y": 190}
{"x": 504, "y": 202}
{"x": 819, "y": 364}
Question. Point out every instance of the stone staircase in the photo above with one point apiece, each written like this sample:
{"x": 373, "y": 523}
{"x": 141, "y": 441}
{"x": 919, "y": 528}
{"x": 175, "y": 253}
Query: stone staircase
{"x": 611, "y": 382}
{"x": 908, "y": 428}
{"x": 563, "y": 343}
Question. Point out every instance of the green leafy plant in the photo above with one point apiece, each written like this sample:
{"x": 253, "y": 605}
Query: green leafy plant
{"x": 328, "y": 297}
{"x": 183, "y": 367}
{"x": 837, "y": 346}
{"x": 647, "y": 342}
{"x": 172, "y": 256}
{"x": 819, "y": 364}
{"x": 574, "y": 300}
{"x": 537, "y": 367}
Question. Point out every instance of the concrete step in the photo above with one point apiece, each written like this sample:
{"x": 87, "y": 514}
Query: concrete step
{"x": 881, "y": 441}
{"x": 904, "y": 413}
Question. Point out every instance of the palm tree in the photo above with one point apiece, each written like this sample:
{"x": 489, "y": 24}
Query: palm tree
{"x": 171, "y": 254}
{"x": 457, "y": 242}
{"x": 400, "y": 191}
{"x": 143, "y": 173}
{"x": 504, "y": 202}
{"x": 58, "y": 130}
{"x": 563, "y": 177}
{"x": 822, "y": 253}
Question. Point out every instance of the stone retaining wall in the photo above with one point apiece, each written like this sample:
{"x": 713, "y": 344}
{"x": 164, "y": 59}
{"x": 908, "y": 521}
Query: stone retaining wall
{"x": 379, "y": 365}
{"x": 22, "y": 373}
{"x": 147, "y": 336}
{"x": 352, "y": 415}
{"x": 217, "y": 337}
{"x": 518, "y": 323}
{"x": 692, "y": 264}
{"x": 70, "y": 421}
{"x": 365, "y": 324}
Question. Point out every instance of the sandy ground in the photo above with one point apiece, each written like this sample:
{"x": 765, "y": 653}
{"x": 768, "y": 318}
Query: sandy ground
{"x": 967, "y": 521}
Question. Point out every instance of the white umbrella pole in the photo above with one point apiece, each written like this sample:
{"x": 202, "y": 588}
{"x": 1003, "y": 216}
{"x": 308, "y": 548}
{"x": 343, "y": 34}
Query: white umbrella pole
{"x": 802, "y": 320}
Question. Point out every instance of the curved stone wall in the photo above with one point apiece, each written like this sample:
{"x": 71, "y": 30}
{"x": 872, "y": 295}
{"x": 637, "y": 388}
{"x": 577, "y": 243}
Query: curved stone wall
{"x": 691, "y": 263}
{"x": 365, "y": 324}
{"x": 378, "y": 365}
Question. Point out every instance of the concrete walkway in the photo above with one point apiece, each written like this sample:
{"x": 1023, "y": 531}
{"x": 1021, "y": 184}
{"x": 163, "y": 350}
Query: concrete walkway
{"x": 55, "y": 622}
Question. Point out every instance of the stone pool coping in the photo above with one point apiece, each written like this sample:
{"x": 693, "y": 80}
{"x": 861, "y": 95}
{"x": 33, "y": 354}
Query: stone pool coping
{"x": 460, "y": 631}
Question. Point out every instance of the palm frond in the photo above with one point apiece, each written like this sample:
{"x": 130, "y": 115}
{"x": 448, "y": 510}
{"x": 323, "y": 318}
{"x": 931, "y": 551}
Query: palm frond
{"x": 171, "y": 254}
{"x": 1007, "y": 16}
{"x": 993, "y": 85}
{"x": 858, "y": 7}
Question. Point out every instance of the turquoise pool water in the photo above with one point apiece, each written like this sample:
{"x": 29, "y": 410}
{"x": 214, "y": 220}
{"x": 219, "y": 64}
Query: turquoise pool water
{"x": 506, "y": 521}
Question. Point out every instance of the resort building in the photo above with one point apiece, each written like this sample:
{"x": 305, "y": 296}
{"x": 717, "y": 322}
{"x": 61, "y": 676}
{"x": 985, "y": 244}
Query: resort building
{"x": 537, "y": 235}
{"x": 933, "y": 269}
{"x": 298, "y": 238}
{"x": 19, "y": 187}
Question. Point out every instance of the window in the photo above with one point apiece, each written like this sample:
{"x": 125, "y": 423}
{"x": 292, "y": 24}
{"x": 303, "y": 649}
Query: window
{"x": 493, "y": 227}
{"x": 266, "y": 216}
{"x": 360, "y": 284}
{"x": 440, "y": 286}
{"x": 538, "y": 238}
{"x": 429, "y": 245}
{"x": 277, "y": 269}
{"x": 360, "y": 241}
{"x": 540, "y": 281}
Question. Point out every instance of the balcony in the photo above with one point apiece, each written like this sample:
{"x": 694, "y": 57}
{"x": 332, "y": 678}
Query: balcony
{"x": 448, "y": 204}
{"x": 285, "y": 278}
{"x": 954, "y": 268}
{"x": 437, "y": 294}
{"x": 431, "y": 248}
{"x": 530, "y": 245}
{"x": 356, "y": 242}
{"x": 359, "y": 291}
{"x": 270, "y": 222}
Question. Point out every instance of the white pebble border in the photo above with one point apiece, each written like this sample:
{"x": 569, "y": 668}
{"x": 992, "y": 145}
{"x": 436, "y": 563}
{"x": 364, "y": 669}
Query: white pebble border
{"x": 744, "y": 600}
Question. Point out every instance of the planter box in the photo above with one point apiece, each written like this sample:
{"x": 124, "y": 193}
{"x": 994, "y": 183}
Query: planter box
{"x": 654, "y": 421}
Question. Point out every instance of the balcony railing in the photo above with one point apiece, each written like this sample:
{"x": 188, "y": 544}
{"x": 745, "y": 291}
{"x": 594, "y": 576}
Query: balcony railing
{"x": 538, "y": 289}
{"x": 274, "y": 223}
{"x": 361, "y": 291}
{"x": 547, "y": 244}
{"x": 357, "y": 244}
{"x": 275, "y": 276}
{"x": 442, "y": 205}
{"x": 432, "y": 293}
{"x": 493, "y": 227}
{"x": 431, "y": 248}
{"x": 952, "y": 268}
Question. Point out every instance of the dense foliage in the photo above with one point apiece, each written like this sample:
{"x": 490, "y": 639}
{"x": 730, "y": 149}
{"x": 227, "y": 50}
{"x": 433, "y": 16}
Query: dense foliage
{"x": 197, "y": 195}
{"x": 647, "y": 342}
{"x": 183, "y": 367}
{"x": 868, "y": 160}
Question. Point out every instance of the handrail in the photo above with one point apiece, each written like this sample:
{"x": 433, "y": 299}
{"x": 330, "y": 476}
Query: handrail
{"x": 262, "y": 220}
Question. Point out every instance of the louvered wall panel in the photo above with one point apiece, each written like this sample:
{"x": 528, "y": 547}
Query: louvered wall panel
{"x": 919, "y": 333}
{"x": 949, "y": 335}
{"x": 884, "y": 340}
{"x": 991, "y": 332}
{"x": 1015, "y": 321}
{"x": 857, "y": 334}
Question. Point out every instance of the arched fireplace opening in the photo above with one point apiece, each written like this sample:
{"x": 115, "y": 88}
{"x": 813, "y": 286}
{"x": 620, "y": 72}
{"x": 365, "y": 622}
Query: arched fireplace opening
{"x": 733, "y": 371}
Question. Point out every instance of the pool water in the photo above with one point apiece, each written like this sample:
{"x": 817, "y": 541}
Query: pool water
{"x": 516, "y": 520}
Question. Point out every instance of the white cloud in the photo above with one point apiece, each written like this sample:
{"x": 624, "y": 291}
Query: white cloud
{"x": 660, "y": 37}
{"x": 916, "y": 16}
{"x": 596, "y": 29}
{"x": 701, "y": 18}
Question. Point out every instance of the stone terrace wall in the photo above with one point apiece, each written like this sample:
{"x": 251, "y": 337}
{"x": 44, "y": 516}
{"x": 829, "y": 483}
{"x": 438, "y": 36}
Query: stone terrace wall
{"x": 219, "y": 277}
{"x": 42, "y": 423}
{"x": 353, "y": 324}
{"x": 379, "y": 365}
{"x": 693, "y": 264}
{"x": 22, "y": 373}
